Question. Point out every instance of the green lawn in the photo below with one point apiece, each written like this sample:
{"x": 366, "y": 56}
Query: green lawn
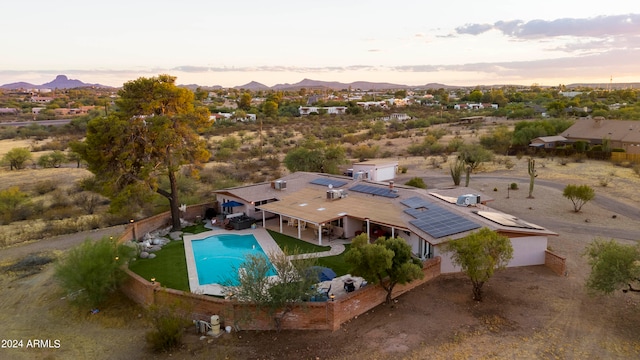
{"x": 296, "y": 246}
{"x": 336, "y": 262}
{"x": 169, "y": 267}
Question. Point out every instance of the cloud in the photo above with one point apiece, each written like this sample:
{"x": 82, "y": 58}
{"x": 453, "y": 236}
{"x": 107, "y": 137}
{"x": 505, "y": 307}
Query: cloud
{"x": 601, "y": 26}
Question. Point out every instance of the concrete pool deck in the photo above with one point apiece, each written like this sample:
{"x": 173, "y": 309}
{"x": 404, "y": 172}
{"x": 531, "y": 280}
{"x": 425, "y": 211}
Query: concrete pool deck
{"x": 263, "y": 238}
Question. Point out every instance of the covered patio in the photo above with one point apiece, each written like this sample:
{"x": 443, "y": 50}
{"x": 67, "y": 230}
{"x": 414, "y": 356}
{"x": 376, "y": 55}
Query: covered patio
{"x": 308, "y": 213}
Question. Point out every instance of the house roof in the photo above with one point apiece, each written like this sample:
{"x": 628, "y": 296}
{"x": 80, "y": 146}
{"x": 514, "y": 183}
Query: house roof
{"x": 306, "y": 199}
{"x": 598, "y": 129}
{"x": 549, "y": 139}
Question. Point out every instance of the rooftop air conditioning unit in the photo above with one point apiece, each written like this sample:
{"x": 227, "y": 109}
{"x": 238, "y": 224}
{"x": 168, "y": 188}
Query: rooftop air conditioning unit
{"x": 335, "y": 194}
{"x": 468, "y": 200}
{"x": 279, "y": 184}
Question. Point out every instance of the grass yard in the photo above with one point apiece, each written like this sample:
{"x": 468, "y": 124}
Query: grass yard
{"x": 336, "y": 262}
{"x": 169, "y": 267}
{"x": 294, "y": 245}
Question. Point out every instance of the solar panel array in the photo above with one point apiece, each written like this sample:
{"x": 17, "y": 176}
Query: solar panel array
{"x": 435, "y": 220}
{"x": 326, "y": 182}
{"x": 373, "y": 190}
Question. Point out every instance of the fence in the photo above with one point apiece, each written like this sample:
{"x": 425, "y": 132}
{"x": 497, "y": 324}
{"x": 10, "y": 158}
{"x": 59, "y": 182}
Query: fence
{"x": 619, "y": 157}
{"x": 248, "y": 316}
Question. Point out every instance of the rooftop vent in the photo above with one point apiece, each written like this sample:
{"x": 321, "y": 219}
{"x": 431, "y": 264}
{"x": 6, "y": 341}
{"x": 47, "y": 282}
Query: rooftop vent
{"x": 279, "y": 184}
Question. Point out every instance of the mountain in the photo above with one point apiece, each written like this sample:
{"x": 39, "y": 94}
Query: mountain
{"x": 253, "y": 86}
{"x": 60, "y": 82}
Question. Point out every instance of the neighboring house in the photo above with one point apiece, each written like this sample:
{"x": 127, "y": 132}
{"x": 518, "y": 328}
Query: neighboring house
{"x": 469, "y": 106}
{"x": 9, "y": 111}
{"x": 548, "y": 142}
{"x": 623, "y": 134}
{"x": 366, "y": 105}
{"x": 41, "y": 99}
{"x": 229, "y": 116}
{"x": 332, "y": 110}
{"x": 426, "y": 220}
{"x": 395, "y": 116}
{"x": 375, "y": 170}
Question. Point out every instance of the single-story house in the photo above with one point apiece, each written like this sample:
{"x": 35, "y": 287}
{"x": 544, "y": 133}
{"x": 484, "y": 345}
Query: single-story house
{"x": 426, "y": 219}
{"x": 548, "y": 142}
{"x": 375, "y": 170}
{"x": 623, "y": 134}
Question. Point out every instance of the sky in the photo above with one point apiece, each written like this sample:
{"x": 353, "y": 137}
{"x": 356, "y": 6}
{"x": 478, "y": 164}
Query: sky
{"x": 230, "y": 43}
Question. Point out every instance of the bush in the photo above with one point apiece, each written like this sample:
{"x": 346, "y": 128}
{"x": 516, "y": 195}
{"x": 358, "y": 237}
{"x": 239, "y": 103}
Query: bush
{"x": 168, "y": 328}
{"x": 514, "y": 186}
{"x": 92, "y": 270}
{"x": 416, "y": 182}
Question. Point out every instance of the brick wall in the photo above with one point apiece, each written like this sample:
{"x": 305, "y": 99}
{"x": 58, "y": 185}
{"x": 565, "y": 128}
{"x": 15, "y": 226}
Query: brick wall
{"x": 555, "y": 262}
{"x": 138, "y": 228}
{"x": 245, "y": 316}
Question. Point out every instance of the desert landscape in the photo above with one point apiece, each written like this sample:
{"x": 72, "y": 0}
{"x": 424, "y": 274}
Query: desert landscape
{"x": 528, "y": 312}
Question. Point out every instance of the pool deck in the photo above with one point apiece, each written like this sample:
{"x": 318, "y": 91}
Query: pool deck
{"x": 265, "y": 240}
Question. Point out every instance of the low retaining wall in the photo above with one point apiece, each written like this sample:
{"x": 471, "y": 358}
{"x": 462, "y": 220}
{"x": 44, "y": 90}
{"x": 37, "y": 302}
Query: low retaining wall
{"x": 247, "y": 316}
{"x": 555, "y": 262}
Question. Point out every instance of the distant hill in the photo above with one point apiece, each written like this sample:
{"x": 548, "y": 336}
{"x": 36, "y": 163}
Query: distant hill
{"x": 253, "y": 86}
{"x": 60, "y": 82}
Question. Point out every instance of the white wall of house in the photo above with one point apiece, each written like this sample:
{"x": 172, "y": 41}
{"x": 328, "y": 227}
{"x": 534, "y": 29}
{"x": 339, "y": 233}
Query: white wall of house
{"x": 378, "y": 172}
{"x": 528, "y": 250}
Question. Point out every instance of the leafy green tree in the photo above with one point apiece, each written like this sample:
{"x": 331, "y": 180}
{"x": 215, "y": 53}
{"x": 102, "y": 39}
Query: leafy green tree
{"x": 270, "y": 108}
{"x": 498, "y": 140}
{"x": 244, "y": 102}
{"x": 53, "y": 160}
{"x": 613, "y": 266}
{"x": 387, "y": 262}
{"x": 479, "y": 255}
{"x": 152, "y": 134}
{"x": 16, "y": 158}
{"x": 294, "y": 284}
{"x": 579, "y": 195}
{"x": 473, "y": 156}
{"x": 315, "y": 156}
{"x": 93, "y": 270}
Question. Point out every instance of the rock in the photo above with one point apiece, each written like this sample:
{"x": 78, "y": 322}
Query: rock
{"x": 154, "y": 248}
{"x": 175, "y": 235}
{"x": 156, "y": 241}
{"x": 152, "y": 256}
{"x": 144, "y": 255}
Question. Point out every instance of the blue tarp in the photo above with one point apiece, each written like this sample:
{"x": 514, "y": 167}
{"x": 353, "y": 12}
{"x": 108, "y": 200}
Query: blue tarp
{"x": 323, "y": 273}
{"x": 232, "y": 204}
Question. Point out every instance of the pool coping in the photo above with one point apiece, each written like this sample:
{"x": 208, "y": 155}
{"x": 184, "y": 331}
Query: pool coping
{"x": 268, "y": 245}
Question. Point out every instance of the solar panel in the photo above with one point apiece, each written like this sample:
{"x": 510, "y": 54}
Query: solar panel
{"x": 372, "y": 190}
{"x": 415, "y": 202}
{"x": 437, "y": 221}
{"x": 326, "y": 182}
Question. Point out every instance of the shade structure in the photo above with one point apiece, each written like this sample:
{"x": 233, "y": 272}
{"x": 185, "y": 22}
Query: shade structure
{"x": 323, "y": 273}
{"x": 232, "y": 203}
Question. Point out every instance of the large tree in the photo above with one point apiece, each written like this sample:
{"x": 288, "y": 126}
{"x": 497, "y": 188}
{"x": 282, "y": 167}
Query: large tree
{"x": 16, "y": 158}
{"x": 153, "y": 132}
{"x": 479, "y": 255}
{"x": 613, "y": 266}
{"x": 315, "y": 156}
{"x": 387, "y": 262}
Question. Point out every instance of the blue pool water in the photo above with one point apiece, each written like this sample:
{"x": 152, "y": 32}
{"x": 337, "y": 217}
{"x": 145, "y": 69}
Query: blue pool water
{"x": 219, "y": 257}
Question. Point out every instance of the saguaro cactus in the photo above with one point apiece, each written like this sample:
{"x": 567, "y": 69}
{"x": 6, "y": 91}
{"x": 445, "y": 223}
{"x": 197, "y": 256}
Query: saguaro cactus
{"x": 532, "y": 176}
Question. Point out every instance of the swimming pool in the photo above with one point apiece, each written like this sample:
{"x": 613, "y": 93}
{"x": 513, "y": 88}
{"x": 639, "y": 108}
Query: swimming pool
{"x": 218, "y": 257}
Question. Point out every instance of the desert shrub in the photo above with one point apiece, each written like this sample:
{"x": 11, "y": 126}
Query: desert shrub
{"x": 45, "y": 186}
{"x": 10, "y": 200}
{"x": 514, "y": 186}
{"x": 563, "y": 161}
{"x": 403, "y": 169}
{"x": 604, "y": 181}
{"x": 168, "y": 328}
{"x": 636, "y": 169}
{"x": 93, "y": 270}
{"x": 579, "y": 157}
{"x": 416, "y": 182}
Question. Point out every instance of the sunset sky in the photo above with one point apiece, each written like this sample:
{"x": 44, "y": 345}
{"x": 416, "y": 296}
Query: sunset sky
{"x": 231, "y": 43}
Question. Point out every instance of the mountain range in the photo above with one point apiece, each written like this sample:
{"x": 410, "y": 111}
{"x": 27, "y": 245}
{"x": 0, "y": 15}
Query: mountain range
{"x": 60, "y": 82}
{"x": 63, "y": 82}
